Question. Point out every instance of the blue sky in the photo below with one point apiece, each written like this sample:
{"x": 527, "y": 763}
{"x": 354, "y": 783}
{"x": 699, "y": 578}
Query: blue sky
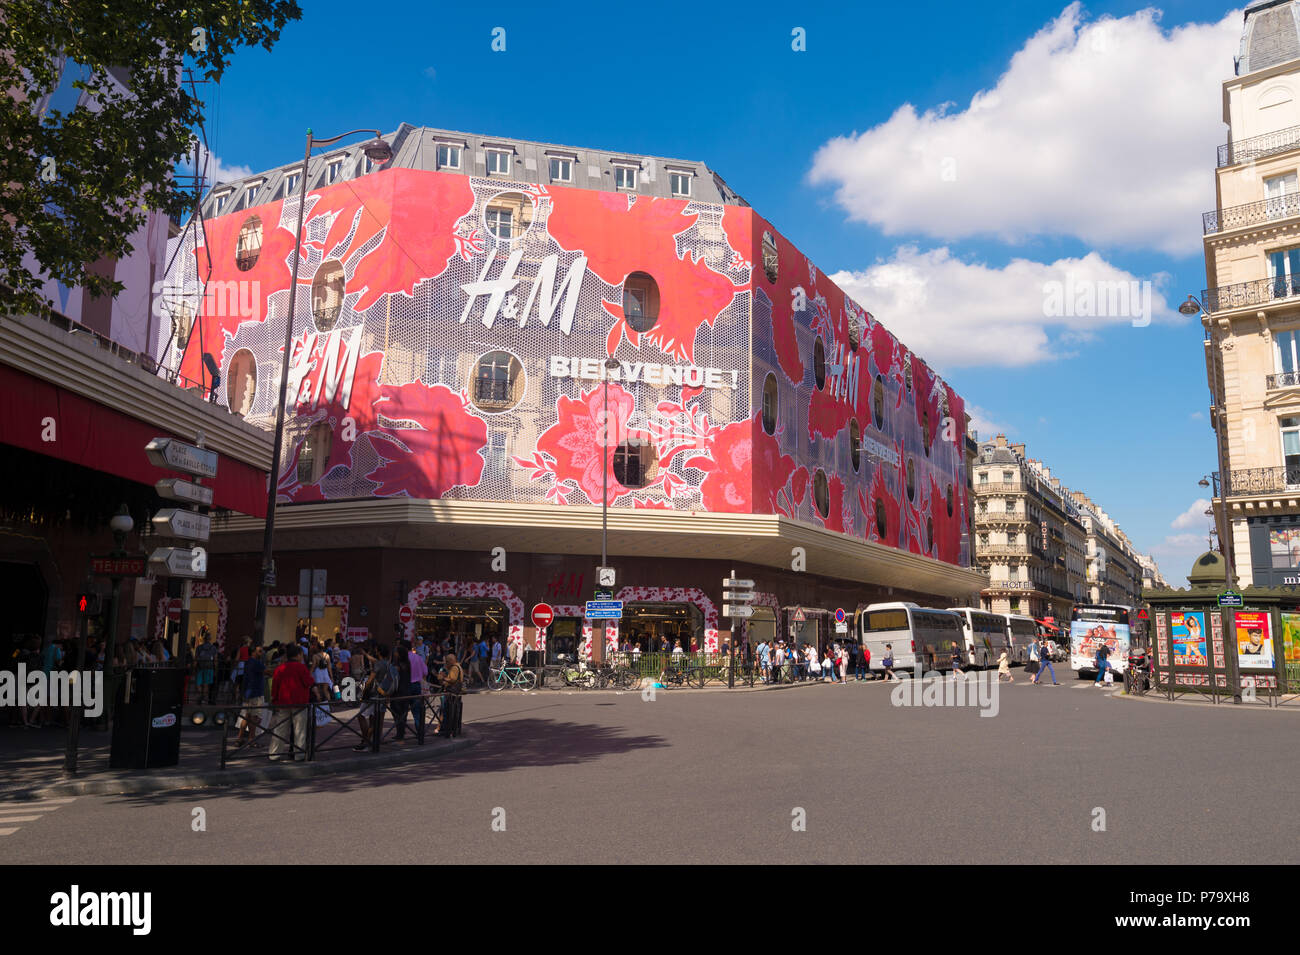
{"x": 1089, "y": 152}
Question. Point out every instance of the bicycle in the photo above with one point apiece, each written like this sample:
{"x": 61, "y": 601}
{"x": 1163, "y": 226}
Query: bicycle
{"x": 580, "y": 679}
{"x": 619, "y": 677}
{"x": 515, "y": 677}
{"x": 673, "y": 673}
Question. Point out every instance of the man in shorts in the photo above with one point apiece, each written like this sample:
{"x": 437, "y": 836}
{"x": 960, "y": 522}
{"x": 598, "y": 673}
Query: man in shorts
{"x": 254, "y": 686}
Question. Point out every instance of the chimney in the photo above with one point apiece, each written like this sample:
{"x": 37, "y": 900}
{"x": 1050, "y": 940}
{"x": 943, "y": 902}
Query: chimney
{"x": 1001, "y": 440}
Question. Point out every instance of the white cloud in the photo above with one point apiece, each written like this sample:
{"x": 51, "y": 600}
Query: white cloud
{"x": 954, "y": 313}
{"x": 1194, "y": 516}
{"x": 430, "y": 72}
{"x": 214, "y": 170}
{"x": 1175, "y": 554}
{"x": 1100, "y": 130}
{"x": 981, "y": 421}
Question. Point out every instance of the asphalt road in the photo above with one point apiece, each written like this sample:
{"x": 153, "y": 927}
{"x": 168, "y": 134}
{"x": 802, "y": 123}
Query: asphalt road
{"x": 718, "y": 777}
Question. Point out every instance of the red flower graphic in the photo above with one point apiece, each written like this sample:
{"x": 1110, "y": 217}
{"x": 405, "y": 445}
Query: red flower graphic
{"x": 573, "y": 443}
{"x": 440, "y": 448}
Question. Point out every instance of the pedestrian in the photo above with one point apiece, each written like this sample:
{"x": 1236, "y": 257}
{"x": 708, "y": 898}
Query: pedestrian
{"x": 291, "y": 694}
{"x": 1102, "y": 663}
{"x": 451, "y": 680}
{"x": 1032, "y": 664}
{"x": 887, "y": 662}
{"x": 254, "y": 690}
{"x": 956, "y": 662}
{"x": 417, "y": 690}
{"x": 401, "y": 704}
{"x": 866, "y": 663}
{"x": 1045, "y": 663}
{"x": 380, "y": 684}
{"x": 844, "y": 665}
{"x": 1004, "y": 668}
{"x": 205, "y": 662}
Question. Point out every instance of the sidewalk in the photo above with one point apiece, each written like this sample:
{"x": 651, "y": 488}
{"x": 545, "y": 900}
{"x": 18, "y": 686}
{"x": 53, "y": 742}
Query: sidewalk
{"x": 31, "y": 763}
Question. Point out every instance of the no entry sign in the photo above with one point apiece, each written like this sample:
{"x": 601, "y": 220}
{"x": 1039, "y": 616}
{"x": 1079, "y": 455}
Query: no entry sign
{"x": 406, "y": 615}
{"x": 174, "y": 610}
{"x": 543, "y": 615}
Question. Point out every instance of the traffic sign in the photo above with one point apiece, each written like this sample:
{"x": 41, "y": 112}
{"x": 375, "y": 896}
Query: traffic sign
{"x": 177, "y": 456}
{"x": 799, "y": 615}
{"x": 604, "y": 609}
{"x": 737, "y": 610}
{"x": 178, "y": 489}
{"x": 174, "y": 610}
{"x": 741, "y": 584}
{"x": 543, "y": 614}
{"x": 179, "y": 562}
{"x": 841, "y": 628}
{"x": 1230, "y": 599}
{"x": 178, "y": 522}
{"x": 839, "y": 614}
{"x": 129, "y": 566}
{"x": 405, "y": 614}
{"x": 1142, "y": 615}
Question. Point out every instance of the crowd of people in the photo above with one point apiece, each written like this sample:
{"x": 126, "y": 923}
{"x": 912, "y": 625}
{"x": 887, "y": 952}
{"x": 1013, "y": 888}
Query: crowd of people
{"x": 782, "y": 662}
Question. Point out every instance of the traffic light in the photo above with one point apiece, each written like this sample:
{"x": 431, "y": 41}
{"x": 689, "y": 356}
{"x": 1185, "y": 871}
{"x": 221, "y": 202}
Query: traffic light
{"x": 88, "y": 604}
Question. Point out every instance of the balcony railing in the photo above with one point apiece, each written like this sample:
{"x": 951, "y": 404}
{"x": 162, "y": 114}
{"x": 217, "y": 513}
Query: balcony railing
{"x": 998, "y": 487}
{"x": 1257, "y": 147}
{"x": 1001, "y": 550}
{"x": 1256, "y": 292}
{"x": 1001, "y": 517}
{"x": 1262, "y": 480}
{"x": 1286, "y": 379}
{"x": 1266, "y": 210}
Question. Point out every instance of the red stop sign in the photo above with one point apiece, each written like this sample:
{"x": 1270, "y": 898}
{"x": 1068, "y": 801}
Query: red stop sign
{"x": 543, "y": 615}
{"x": 406, "y": 615}
{"x": 174, "y": 610}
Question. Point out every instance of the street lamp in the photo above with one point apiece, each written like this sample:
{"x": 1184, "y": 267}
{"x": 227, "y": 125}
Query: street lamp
{"x": 611, "y": 364}
{"x": 379, "y": 152}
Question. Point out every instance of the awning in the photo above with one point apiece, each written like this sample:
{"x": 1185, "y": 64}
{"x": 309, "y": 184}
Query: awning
{"x": 1052, "y": 627}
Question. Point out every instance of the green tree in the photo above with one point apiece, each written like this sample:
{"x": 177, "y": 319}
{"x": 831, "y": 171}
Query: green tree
{"x": 75, "y": 185}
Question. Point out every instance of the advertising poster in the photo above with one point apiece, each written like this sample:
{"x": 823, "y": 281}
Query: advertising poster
{"x": 1086, "y": 636}
{"x": 1291, "y": 637}
{"x": 1284, "y": 547}
{"x": 1254, "y": 640}
{"x": 1188, "y": 634}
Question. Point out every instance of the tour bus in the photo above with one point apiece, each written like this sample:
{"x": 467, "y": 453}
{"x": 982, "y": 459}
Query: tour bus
{"x": 1021, "y": 632}
{"x": 918, "y": 635}
{"x": 986, "y": 636}
{"x": 1094, "y": 624}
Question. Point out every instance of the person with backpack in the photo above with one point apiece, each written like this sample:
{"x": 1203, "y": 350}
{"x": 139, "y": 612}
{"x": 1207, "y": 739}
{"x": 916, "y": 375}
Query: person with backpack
{"x": 887, "y": 662}
{"x": 1032, "y": 664}
{"x": 381, "y": 684}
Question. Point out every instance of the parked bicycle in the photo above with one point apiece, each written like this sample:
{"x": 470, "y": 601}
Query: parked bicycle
{"x": 513, "y": 677}
{"x": 620, "y": 677}
{"x": 674, "y": 674}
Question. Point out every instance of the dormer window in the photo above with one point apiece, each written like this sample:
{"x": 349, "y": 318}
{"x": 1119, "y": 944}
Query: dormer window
{"x": 250, "y": 193}
{"x": 498, "y": 162}
{"x": 625, "y": 178}
{"x": 448, "y": 156}
{"x": 334, "y": 171}
{"x": 291, "y": 184}
{"x": 220, "y": 200}
{"x": 679, "y": 184}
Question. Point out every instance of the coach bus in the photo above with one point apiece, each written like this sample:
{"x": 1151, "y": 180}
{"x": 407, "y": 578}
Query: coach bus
{"x": 1021, "y": 632}
{"x": 1091, "y": 625}
{"x": 985, "y": 633}
{"x": 917, "y": 634}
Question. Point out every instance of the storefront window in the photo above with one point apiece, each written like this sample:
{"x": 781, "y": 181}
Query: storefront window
{"x": 649, "y": 625}
{"x": 286, "y": 624}
{"x": 463, "y": 621}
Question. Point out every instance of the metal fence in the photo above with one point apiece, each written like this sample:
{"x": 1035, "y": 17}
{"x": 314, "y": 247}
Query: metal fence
{"x": 304, "y": 732}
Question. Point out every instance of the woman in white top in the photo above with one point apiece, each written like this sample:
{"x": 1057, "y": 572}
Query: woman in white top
{"x": 814, "y": 667}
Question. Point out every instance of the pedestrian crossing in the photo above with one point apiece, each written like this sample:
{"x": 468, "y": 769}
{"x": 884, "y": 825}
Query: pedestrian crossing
{"x": 13, "y": 813}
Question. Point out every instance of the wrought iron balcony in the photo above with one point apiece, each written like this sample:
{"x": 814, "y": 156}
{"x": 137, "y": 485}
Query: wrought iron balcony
{"x": 491, "y": 390}
{"x": 1266, "y": 210}
{"x": 1001, "y": 550}
{"x": 1263, "y": 480}
{"x": 999, "y": 487}
{"x": 1001, "y": 517}
{"x": 1256, "y": 292}
{"x": 1257, "y": 147}
{"x": 1287, "y": 379}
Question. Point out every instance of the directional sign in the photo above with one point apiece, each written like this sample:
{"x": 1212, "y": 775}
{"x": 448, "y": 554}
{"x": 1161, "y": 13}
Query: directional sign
{"x": 177, "y": 456}
{"x": 179, "y": 562}
{"x": 740, "y": 596}
{"x": 604, "y": 609}
{"x": 178, "y": 522}
{"x": 739, "y": 584}
{"x": 178, "y": 489}
{"x": 543, "y": 614}
{"x": 737, "y": 610}
{"x": 130, "y": 566}
{"x": 1230, "y": 599}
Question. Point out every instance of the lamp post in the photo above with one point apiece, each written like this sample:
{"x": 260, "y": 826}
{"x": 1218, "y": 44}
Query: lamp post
{"x": 1193, "y": 306}
{"x": 611, "y": 364}
{"x": 380, "y": 152}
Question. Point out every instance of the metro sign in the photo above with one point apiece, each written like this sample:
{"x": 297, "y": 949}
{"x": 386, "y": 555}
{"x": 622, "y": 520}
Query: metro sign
{"x": 133, "y": 566}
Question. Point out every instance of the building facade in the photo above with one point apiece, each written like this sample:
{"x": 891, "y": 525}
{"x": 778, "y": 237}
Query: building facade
{"x": 1252, "y": 300}
{"x": 497, "y": 343}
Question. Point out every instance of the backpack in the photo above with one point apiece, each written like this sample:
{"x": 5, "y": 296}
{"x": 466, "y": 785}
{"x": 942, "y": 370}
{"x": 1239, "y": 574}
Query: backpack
{"x": 387, "y": 683}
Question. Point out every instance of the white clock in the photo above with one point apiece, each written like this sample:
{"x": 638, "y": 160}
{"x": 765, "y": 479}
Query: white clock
{"x": 605, "y": 576}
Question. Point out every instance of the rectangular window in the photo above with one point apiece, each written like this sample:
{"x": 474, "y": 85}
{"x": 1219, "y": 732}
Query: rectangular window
{"x": 291, "y": 184}
{"x": 1284, "y": 353}
{"x": 624, "y": 177}
{"x": 984, "y": 477}
{"x": 335, "y": 170}
{"x": 561, "y": 170}
{"x": 498, "y": 162}
{"x": 1008, "y": 477}
{"x": 369, "y": 165}
{"x": 1276, "y": 190}
{"x": 448, "y": 156}
{"x": 250, "y": 193}
{"x": 1291, "y": 449}
{"x": 680, "y": 183}
{"x": 221, "y": 201}
{"x": 1284, "y": 269}
{"x": 500, "y": 222}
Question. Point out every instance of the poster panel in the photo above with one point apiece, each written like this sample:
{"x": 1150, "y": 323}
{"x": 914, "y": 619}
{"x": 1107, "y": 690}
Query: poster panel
{"x": 1254, "y": 640}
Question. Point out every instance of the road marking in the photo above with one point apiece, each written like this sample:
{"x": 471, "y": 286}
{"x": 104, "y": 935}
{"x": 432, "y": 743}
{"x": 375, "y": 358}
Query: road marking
{"x": 32, "y": 811}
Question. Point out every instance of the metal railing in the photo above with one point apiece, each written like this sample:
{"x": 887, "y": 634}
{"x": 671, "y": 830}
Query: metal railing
{"x": 1001, "y": 550}
{"x": 491, "y": 389}
{"x": 1285, "y": 379}
{"x": 1001, "y": 487}
{"x": 1262, "y": 480}
{"x": 1001, "y": 517}
{"x": 1255, "y": 292}
{"x": 1249, "y": 213}
{"x": 303, "y": 732}
{"x": 1257, "y": 147}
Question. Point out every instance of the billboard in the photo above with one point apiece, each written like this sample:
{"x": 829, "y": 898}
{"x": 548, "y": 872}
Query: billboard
{"x": 1254, "y": 640}
{"x": 450, "y": 339}
{"x": 1187, "y": 634}
{"x": 1087, "y": 636}
{"x": 1291, "y": 638}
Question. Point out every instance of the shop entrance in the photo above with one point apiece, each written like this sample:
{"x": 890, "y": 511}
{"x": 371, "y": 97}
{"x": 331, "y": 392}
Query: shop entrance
{"x": 25, "y": 598}
{"x": 657, "y": 627}
{"x": 461, "y": 622}
{"x": 563, "y": 637}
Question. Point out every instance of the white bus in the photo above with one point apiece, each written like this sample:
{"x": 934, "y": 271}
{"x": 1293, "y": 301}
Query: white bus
{"x": 917, "y": 634}
{"x": 986, "y": 635}
{"x": 1092, "y": 625}
{"x": 1021, "y": 632}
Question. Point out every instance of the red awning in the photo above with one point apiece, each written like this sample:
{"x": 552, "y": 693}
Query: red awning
{"x": 1051, "y": 627}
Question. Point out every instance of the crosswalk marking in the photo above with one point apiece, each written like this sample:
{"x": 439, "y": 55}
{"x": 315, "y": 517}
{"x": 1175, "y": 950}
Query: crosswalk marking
{"x": 32, "y": 811}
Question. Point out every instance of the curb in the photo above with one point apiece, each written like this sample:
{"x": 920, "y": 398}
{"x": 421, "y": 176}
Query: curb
{"x": 685, "y": 689}
{"x": 1159, "y": 698}
{"x": 137, "y": 784}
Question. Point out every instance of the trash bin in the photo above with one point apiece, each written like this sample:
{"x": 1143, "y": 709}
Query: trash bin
{"x": 147, "y": 723}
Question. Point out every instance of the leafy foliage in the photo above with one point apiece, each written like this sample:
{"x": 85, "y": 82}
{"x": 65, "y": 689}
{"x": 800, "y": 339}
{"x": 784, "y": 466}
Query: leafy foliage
{"x": 106, "y": 166}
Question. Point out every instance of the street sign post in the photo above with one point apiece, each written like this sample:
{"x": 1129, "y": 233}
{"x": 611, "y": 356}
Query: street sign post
{"x": 175, "y": 455}
{"x": 311, "y": 593}
{"x": 737, "y": 595}
{"x": 1231, "y": 599}
{"x": 737, "y": 611}
{"x": 182, "y": 523}
{"x": 604, "y": 610}
{"x": 187, "y": 492}
{"x": 543, "y": 614}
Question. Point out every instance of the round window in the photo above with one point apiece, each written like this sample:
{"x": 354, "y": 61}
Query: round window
{"x": 819, "y": 363}
{"x": 640, "y": 301}
{"x": 249, "y": 245}
{"x": 241, "y": 382}
{"x": 507, "y": 215}
{"x": 770, "y": 406}
{"x": 822, "y": 494}
{"x": 878, "y": 403}
{"x": 327, "y": 290}
{"x": 911, "y": 480}
{"x": 498, "y": 382}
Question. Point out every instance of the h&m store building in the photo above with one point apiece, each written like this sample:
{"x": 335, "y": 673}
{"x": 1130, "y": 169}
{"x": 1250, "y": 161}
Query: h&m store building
{"x": 453, "y": 430}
